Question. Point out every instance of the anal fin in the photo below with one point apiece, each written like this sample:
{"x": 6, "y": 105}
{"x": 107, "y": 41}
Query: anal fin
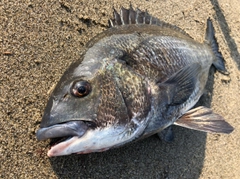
{"x": 204, "y": 119}
{"x": 166, "y": 134}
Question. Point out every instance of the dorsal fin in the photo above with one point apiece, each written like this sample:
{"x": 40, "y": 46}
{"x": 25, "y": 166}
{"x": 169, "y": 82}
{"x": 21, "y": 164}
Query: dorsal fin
{"x": 131, "y": 16}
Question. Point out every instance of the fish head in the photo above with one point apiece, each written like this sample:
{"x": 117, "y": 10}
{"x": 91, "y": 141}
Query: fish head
{"x": 94, "y": 107}
{"x": 74, "y": 98}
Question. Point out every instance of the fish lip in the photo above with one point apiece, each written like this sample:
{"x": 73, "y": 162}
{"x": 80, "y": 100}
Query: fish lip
{"x": 67, "y": 129}
{"x": 55, "y": 148}
{"x": 59, "y": 149}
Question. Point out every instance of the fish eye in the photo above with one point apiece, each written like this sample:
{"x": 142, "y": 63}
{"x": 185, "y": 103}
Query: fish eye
{"x": 80, "y": 88}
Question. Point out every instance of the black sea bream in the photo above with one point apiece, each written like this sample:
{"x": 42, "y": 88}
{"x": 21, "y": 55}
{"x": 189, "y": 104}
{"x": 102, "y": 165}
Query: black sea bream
{"x": 133, "y": 80}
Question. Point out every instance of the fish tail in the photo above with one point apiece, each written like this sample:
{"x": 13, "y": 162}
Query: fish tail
{"x": 218, "y": 62}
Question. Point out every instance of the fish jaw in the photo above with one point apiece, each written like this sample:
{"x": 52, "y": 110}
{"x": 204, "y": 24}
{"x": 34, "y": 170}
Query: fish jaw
{"x": 102, "y": 139}
{"x": 96, "y": 140}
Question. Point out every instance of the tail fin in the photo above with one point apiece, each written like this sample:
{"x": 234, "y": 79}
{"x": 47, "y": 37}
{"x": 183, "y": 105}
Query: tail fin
{"x": 211, "y": 40}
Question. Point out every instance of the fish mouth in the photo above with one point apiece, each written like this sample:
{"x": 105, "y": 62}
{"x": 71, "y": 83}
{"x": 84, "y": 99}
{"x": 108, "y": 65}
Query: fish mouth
{"x": 58, "y": 140}
{"x": 64, "y": 131}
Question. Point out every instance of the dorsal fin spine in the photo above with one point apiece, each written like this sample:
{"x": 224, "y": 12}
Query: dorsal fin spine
{"x": 121, "y": 16}
{"x": 131, "y": 16}
{"x": 136, "y": 18}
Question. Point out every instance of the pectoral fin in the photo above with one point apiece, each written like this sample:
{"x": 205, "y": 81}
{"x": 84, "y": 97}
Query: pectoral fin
{"x": 178, "y": 88}
{"x": 204, "y": 119}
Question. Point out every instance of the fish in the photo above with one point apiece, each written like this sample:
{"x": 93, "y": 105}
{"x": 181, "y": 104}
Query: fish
{"x": 135, "y": 79}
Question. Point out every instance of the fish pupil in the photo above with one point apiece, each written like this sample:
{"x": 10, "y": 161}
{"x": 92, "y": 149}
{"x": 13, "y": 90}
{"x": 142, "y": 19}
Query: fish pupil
{"x": 81, "y": 89}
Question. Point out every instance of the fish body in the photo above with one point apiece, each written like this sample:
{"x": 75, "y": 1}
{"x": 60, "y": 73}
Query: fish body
{"x": 134, "y": 80}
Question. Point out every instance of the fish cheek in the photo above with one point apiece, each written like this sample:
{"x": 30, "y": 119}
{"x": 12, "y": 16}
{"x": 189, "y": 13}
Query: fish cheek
{"x": 70, "y": 107}
{"x": 86, "y": 107}
{"x": 124, "y": 98}
{"x": 135, "y": 91}
{"x": 112, "y": 109}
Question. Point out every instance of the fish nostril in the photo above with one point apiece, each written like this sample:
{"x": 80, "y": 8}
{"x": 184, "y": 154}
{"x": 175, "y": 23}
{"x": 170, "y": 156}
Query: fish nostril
{"x": 65, "y": 96}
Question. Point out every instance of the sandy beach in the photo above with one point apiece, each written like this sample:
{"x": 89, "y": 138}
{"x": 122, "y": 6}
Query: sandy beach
{"x": 40, "y": 39}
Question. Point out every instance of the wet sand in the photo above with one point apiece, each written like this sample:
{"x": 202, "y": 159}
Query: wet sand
{"x": 38, "y": 41}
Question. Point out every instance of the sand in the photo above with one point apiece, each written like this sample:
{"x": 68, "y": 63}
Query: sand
{"x": 39, "y": 39}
